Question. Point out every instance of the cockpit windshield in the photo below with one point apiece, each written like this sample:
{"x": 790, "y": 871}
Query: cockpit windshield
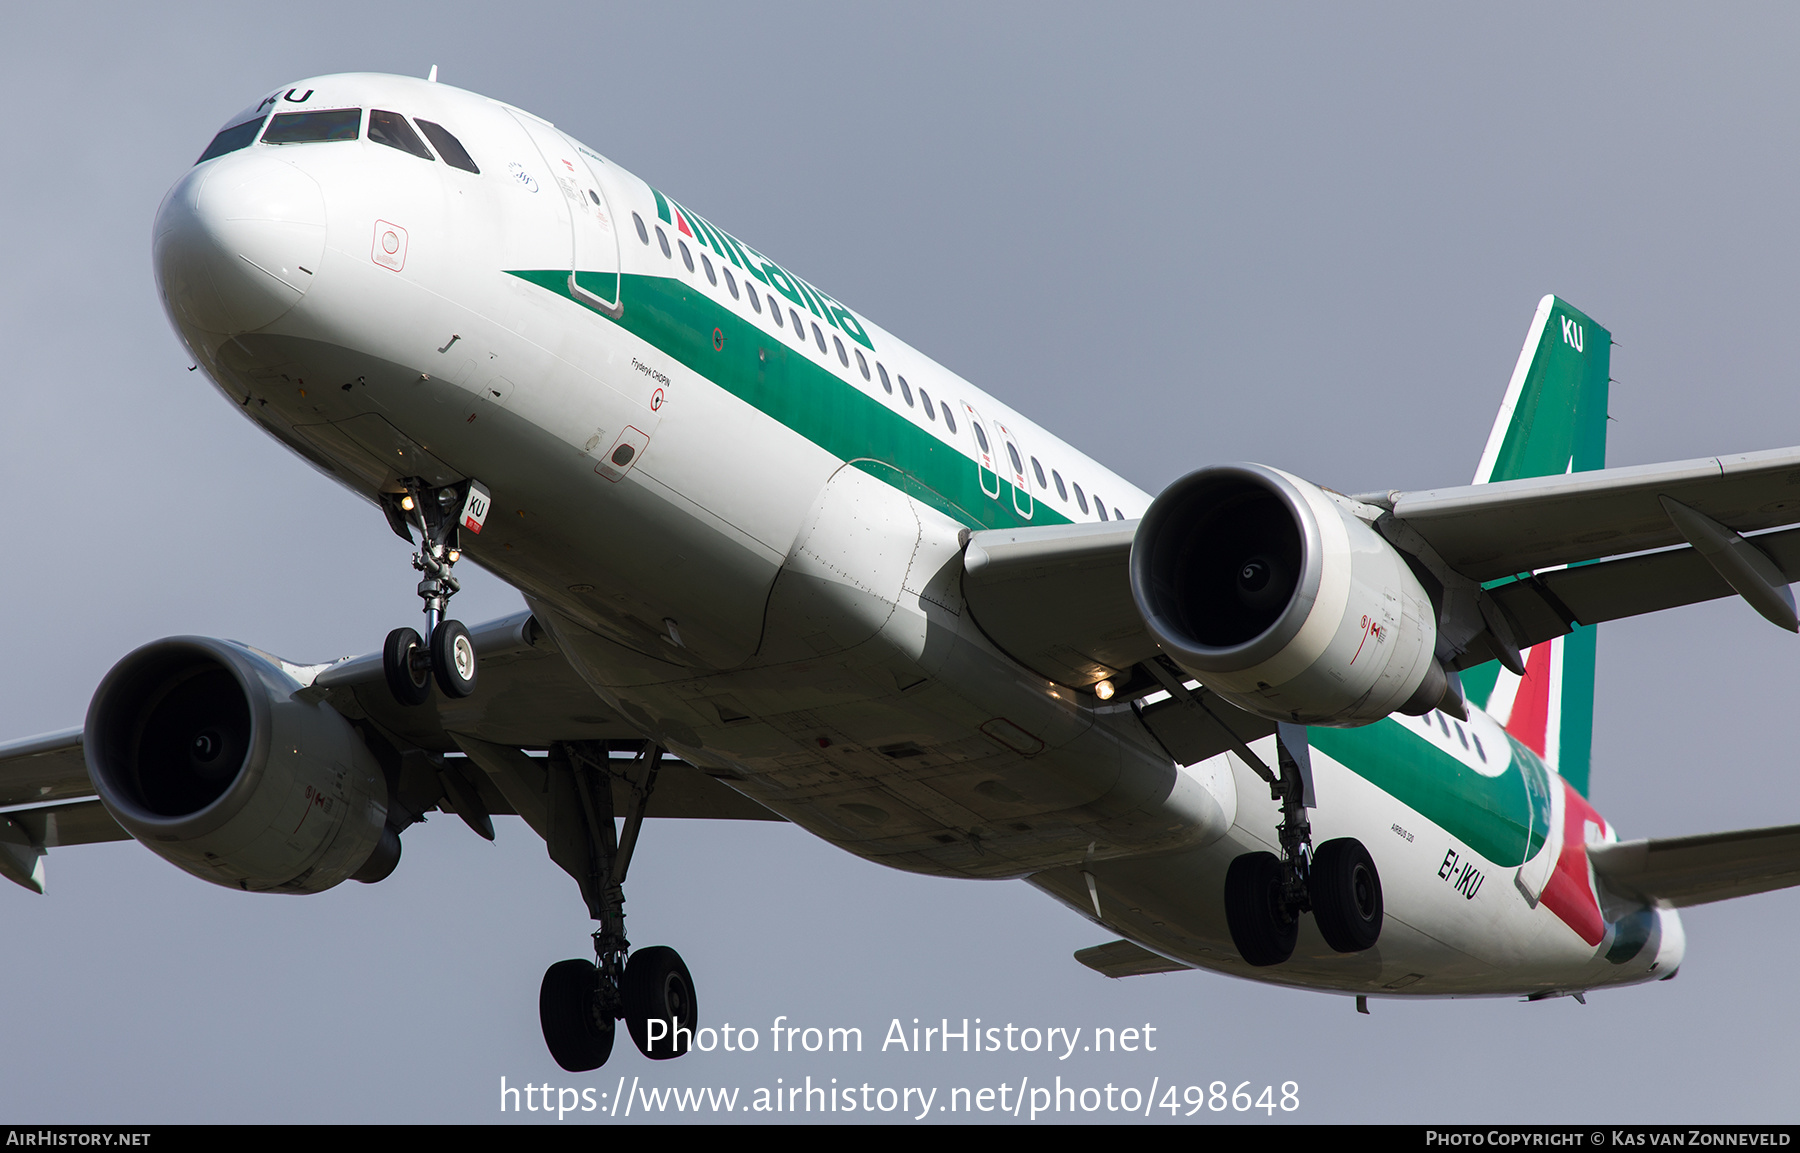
{"x": 312, "y": 127}
{"x": 232, "y": 139}
{"x": 391, "y": 129}
{"x": 448, "y": 146}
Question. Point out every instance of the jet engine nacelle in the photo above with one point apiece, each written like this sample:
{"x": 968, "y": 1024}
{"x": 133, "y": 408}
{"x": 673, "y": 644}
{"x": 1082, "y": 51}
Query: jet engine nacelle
{"x": 1277, "y": 598}
{"x": 201, "y": 750}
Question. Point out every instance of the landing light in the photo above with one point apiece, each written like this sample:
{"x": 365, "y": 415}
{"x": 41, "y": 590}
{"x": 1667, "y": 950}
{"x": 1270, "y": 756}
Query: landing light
{"x": 1104, "y": 690}
{"x": 455, "y": 555}
{"x": 406, "y": 502}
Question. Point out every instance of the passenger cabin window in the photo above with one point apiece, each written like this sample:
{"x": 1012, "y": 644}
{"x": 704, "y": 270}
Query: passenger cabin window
{"x": 843, "y": 357}
{"x": 819, "y": 339}
{"x": 1060, "y": 490}
{"x": 981, "y": 438}
{"x": 1100, "y": 506}
{"x": 231, "y": 139}
{"x": 643, "y": 234}
{"x": 906, "y": 391}
{"x": 391, "y": 129}
{"x": 799, "y": 329}
{"x": 755, "y": 300}
{"x": 313, "y": 127}
{"x": 687, "y": 257}
{"x": 1038, "y": 471}
{"x": 663, "y": 240}
{"x": 451, "y": 149}
{"x": 887, "y": 385}
{"x": 925, "y": 399}
{"x": 1479, "y": 751}
{"x": 949, "y": 418}
{"x": 862, "y": 364}
{"x": 712, "y": 277}
{"x": 1012, "y": 451}
{"x": 1081, "y": 498}
{"x": 775, "y": 312}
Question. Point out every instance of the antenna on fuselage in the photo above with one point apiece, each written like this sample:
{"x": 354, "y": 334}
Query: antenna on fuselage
{"x": 432, "y": 77}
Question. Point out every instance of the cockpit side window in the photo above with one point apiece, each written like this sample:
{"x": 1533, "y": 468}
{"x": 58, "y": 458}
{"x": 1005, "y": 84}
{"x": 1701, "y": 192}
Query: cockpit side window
{"x": 313, "y": 127}
{"x": 448, "y": 146}
{"x": 231, "y": 139}
{"x": 391, "y": 129}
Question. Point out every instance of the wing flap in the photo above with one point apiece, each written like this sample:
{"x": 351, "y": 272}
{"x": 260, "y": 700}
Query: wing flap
{"x": 1193, "y": 732}
{"x": 1490, "y": 531}
{"x": 76, "y": 823}
{"x": 1683, "y": 871}
{"x": 50, "y": 767}
{"x": 1547, "y": 604}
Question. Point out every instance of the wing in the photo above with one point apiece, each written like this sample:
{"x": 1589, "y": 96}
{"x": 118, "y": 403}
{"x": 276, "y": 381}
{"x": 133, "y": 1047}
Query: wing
{"x": 459, "y": 756}
{"x": 1551, "y": 552}
{"x": 1561, "y": 551}
{"x": 1683, "y": 871}
{"x": 1545, "y": 541}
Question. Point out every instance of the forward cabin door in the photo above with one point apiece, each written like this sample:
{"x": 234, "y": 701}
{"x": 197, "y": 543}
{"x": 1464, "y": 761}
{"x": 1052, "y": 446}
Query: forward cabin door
{"x": 594, "y": 266}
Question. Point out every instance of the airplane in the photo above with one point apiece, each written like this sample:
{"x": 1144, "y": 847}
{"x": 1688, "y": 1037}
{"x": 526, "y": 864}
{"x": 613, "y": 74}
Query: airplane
{"x": 778, "y": 565}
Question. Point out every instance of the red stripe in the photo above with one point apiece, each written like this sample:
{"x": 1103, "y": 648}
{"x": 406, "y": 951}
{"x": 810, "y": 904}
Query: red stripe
{"x": 1570, "y": 892}
{"x": 1531, "y": 707}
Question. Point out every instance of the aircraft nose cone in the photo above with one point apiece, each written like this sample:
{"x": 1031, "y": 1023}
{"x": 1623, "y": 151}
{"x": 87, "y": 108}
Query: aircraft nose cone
{"x": 238, "y": 242}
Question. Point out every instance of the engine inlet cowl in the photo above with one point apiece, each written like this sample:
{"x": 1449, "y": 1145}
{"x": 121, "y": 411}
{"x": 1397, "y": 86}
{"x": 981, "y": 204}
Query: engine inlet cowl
{"x": 200, "y": 749}
{"x": 1273, "y": 595}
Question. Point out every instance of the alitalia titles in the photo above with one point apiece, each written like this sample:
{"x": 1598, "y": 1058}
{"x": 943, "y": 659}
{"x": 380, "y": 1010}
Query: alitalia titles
{"x": 753, "y": 263}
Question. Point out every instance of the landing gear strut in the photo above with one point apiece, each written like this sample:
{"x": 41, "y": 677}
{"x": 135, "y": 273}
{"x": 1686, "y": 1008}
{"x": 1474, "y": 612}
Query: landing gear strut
{"x": 1337, "y": 882}
{"x": 651, "y": 989}
{"x": 445, "y": 653}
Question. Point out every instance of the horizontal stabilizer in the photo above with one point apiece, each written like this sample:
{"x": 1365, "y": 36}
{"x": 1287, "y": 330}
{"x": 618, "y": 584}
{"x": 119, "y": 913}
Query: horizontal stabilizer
{"x": 1684, "y": 871}
{"x": 1124, "y": 959}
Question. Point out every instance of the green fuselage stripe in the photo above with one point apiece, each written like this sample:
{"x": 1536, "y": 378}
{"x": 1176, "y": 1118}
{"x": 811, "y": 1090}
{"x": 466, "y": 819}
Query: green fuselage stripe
{"x": 1503, "y": 818}
{"x": 766, "y": 371}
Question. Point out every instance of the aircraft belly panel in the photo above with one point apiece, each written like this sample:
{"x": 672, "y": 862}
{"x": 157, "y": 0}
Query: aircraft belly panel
{"x": 887, "y": 724}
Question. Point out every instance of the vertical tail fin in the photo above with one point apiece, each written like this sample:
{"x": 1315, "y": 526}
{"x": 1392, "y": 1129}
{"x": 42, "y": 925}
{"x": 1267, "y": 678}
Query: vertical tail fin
{"x": 1551, "y": 421}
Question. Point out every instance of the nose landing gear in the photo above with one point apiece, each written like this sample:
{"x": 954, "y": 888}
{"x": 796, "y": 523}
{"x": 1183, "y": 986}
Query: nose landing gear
{"x": 445, "y": 653}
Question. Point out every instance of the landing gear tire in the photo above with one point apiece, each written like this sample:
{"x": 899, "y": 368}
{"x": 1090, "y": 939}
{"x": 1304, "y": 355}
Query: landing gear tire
{"x": 402, "y": 662}
{"x": 1262, "y": 926}
{"x": 453, "y": 659}
{"x": 576, "y": 1028}
{"x": 1346, "y": 895}
{"x": 658, "y": 988}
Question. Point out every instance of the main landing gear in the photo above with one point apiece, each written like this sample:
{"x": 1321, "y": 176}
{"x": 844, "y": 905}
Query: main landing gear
{"x": 651, "y": 990}
{"x": 1336, "y": 882}
{"x": 445, "y": 653}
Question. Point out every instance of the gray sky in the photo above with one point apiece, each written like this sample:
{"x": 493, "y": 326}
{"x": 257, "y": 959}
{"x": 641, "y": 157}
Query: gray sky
{"x": 1310, "y": 236}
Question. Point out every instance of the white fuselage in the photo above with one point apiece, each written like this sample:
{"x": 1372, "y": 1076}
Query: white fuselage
{"x": 768, "y": 581}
